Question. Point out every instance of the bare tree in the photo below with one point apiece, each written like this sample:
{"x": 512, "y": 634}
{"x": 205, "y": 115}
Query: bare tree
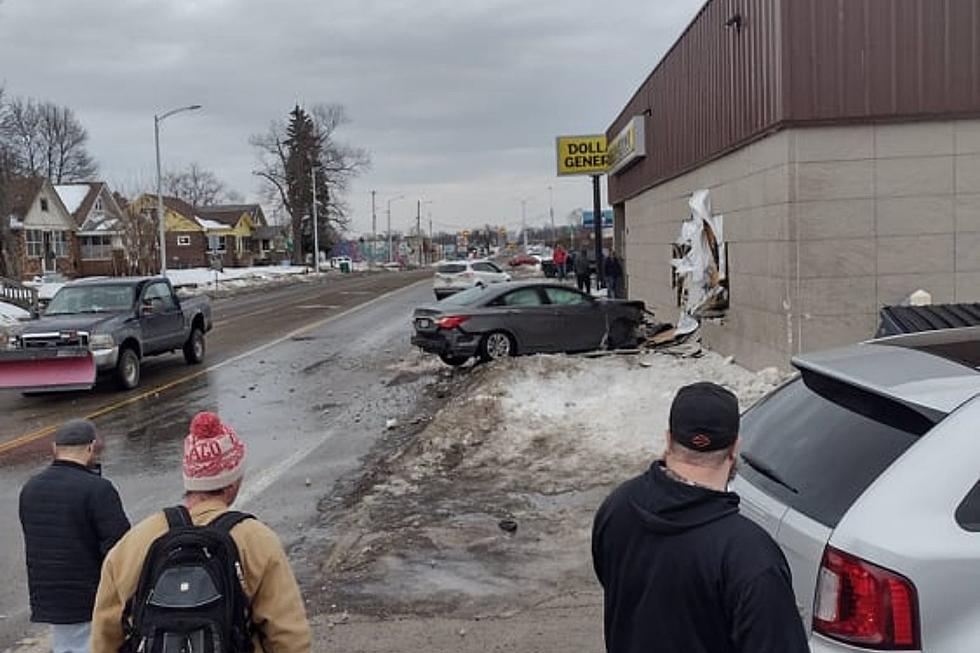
{"x": 47, "y": 140}
{"x": 140, "y": 241}
{"x": 336, "y": 165}
{"x": 197, "y": 186}
{"x": 9, "y": 261}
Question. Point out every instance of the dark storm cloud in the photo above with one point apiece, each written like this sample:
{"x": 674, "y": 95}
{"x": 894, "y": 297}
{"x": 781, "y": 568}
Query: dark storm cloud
{"x": 457, "y": 101}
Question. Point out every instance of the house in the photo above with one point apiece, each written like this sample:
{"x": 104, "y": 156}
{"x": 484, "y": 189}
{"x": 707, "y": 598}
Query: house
{"x": 42, "y": 228}
{"x": 195, "y": 234}
{"x": 100, "y": 222}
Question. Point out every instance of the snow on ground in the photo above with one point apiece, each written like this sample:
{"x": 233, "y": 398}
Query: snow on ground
{"x": 233, "y": 277}
{"x": 10, "y": 314}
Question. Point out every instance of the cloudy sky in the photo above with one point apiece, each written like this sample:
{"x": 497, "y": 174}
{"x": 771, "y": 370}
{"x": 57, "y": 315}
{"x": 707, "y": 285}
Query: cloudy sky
{"x": 458, "y": 101}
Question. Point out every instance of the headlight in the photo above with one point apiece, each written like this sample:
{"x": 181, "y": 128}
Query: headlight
{"x": 101, "y": 341}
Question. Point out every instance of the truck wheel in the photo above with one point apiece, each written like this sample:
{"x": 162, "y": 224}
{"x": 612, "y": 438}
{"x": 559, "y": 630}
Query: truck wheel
{"x": 128, "y": 369}
{"x": 194, "y": 347}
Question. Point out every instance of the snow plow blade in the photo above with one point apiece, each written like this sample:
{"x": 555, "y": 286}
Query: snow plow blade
{"x": 66, "y": 369}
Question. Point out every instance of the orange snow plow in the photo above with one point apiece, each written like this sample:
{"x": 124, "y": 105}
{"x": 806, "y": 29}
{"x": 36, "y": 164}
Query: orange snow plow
{"x": 47, "y": 370}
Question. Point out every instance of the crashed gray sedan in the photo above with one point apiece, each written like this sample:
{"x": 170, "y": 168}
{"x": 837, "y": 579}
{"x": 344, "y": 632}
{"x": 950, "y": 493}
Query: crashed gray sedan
{"x": 512, "y": 319}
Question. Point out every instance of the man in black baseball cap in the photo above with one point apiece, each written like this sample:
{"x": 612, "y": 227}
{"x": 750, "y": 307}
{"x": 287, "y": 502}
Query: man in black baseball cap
{"x": 71, "y": 517}
{"x": 682, "y": 570}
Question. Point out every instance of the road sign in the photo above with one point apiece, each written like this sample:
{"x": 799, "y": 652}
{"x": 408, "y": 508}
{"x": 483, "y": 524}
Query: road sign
{"x": 581, "y": 155}
{"x": 588, "y": 219}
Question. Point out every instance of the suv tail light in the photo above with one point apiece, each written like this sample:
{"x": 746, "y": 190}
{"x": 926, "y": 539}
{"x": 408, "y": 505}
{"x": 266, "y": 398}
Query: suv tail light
{"x": 862, "y": 604}
{"x": 452, "y": 322}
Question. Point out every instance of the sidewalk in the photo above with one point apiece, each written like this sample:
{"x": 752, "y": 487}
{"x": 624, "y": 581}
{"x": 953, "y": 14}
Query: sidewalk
{"x": 567, "y": 624}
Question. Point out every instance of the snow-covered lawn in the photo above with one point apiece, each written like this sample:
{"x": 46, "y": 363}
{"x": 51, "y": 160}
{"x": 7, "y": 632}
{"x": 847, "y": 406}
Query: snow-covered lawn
{"x": 10, "y": 314}
{"x": 233, "y": 277}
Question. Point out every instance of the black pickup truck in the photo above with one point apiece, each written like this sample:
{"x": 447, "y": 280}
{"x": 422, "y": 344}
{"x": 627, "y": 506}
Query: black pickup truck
{"x": 104, "y": 325}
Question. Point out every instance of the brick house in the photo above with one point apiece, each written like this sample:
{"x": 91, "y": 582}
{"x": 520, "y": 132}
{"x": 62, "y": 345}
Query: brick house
{"x": 42, "y": 228}
{"x": 99, "y": 218}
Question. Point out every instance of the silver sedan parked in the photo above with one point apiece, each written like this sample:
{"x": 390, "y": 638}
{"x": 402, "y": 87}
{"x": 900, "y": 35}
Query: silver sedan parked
{"x": 510, "y": 319}
{"x": 866, "y": 470}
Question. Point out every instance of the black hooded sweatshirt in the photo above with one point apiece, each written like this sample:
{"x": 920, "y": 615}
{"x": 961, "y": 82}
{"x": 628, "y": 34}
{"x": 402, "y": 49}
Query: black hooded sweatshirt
{"x": 684, "y": 572}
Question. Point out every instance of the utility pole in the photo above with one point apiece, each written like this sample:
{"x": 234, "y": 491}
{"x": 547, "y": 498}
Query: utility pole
{"x": 524, "y": 222}
{"x": 391, "y": 255}
{"x": 551, "y": 211}
{"x": 316, "y": 226}
{"x": 432, "y": 242}
{"x": 418, "y": 228}
{"x": 597, "y": 212}
{"x": 374, "y": 229}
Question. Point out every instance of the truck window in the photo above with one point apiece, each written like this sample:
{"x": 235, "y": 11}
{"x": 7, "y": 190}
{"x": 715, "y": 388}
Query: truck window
{"x": 161, "y": 291}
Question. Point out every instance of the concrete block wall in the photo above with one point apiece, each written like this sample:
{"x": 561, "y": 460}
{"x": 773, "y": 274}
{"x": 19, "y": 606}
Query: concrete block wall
{"x": 825, "y": 225}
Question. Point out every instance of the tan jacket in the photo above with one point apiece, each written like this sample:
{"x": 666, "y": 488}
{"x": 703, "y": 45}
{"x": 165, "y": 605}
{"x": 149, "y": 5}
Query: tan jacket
{"x": 277, "y": 607}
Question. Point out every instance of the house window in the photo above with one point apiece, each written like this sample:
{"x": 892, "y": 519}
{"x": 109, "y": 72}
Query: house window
{"x": 59, "y": 243}
{"x": 35, "y": 243}
{"x": 183, "y": 241}
{"x": 266, "y": 245}
{"x": 44, "y": 204}
{"x": 246, "y": 244}
{"x": 96, "y": 247}
{"x": 217, "y": 244}
{"x": 98, "y": 205}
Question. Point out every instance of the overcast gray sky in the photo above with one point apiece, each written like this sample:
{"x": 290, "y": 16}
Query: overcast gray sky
{"x": 458, "y": 101}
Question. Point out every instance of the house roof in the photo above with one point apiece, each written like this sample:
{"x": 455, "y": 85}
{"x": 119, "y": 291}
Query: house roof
{"x": 178, "y": 205}
{"x": 79, "y": 198}
{"x": 20, "y": 193}
{"x": 230, "y": 214}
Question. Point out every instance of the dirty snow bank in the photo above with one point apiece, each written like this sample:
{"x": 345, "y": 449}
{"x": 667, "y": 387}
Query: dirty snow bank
{"x": 10, "y": 314}
{"x": 489, "y": 508}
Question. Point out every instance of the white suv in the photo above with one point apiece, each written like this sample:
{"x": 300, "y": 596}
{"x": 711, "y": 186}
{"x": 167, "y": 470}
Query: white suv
{"x": 455, "y": 276}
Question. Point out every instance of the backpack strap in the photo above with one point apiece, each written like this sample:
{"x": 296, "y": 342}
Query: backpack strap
{"x": 178, "y": 517}
{"x": 227, "y": 521}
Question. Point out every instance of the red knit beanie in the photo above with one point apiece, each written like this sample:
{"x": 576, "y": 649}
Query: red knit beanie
{"x": 214, "y": 457}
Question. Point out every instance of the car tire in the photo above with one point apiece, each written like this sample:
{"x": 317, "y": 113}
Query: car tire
{"x": 128, "y": 369}
{"x": 622, "y": 335}
{"x": 194, "y": 348}
{"x": 497, "y": 345}
{"x": 454, "y": 361}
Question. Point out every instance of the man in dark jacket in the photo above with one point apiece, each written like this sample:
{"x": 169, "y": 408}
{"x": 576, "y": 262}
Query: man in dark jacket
{"x": 682, "y": 570}
{"x": 71, "y": 517}
{"x": 613, "y": 271}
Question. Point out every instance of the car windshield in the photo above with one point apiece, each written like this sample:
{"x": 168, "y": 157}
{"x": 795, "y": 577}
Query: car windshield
{"x": 91, "y": 299}
{"x": 470, "y": 297}
{"x": 451, "y": 268}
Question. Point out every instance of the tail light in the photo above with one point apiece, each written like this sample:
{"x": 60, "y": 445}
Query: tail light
{"x": 452, "y": 322}
{"x": 862, "y": 604}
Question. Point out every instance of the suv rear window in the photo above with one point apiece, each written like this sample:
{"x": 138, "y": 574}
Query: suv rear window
{"x": 451, "y": 268}
{"x": 826, "y": 441}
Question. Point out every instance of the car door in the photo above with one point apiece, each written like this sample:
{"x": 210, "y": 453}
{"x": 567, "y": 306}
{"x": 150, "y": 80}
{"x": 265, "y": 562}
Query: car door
{"x": 579, "y": 323}
{"x": 161, "y": 318}
{"x": 486, "y": 274}
{"x": 526, "y": 315}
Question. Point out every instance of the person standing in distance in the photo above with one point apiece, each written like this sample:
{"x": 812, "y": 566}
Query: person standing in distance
{"x": 71, "y": 517}
{"x": 682, "y": 570}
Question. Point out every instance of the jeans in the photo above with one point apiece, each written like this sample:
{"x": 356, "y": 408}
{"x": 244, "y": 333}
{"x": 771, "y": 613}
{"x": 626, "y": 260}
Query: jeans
{"x": 71, "y": 638}
{"x": 613, "y": 284}
{"x": 584, "y": 283}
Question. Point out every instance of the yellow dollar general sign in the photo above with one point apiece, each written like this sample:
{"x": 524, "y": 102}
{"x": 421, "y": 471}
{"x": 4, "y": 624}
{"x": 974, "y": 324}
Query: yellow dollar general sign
{"x": 582, "y": 155}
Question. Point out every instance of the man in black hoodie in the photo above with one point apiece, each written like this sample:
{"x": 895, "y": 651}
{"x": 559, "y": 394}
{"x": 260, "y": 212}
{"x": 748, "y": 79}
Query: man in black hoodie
{"x": 682, "y": 570}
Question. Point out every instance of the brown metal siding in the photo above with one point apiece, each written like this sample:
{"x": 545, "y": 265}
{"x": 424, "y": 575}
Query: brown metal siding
{"x": 714, "y": 89}
{"x": 800, "y": 62}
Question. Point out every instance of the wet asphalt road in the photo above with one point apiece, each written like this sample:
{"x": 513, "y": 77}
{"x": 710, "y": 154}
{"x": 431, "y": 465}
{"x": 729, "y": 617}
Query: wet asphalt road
{"x": 308, "y": 402}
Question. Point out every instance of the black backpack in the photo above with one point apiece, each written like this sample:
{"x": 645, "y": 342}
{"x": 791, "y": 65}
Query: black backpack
{"x": 191, "y": 593}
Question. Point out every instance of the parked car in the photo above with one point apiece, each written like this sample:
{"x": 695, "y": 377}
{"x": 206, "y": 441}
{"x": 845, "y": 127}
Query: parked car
{"x": 455, "y": 276}
{"x": 523, "y": 318}
{"x": 102, "y": 325}
{"x": 865, "y": 469}
{"x": 524, "y": 259}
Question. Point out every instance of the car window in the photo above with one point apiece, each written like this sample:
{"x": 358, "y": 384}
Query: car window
{"x": 968, "y": 512}
{"x": 451, "y": 268}
{"x": 494, "y": 267}
{"x": 159, "y": 291}
{"x": 827, "y": 452}
{"x": 482, "y": 267}
{"x": 565, "y": 297}
{"x": 470, "y": 297}
{"x": 522, "y": 297}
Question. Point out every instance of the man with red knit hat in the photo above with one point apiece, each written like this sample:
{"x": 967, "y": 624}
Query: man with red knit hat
{"x": 214, "y": 465}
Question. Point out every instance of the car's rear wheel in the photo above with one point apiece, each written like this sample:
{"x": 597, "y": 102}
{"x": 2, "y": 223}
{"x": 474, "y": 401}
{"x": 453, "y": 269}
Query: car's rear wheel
{"x": 194, "y": 347}
{"x": 496, "y": 345}
{"x": 128, "y": 369}
{"x": 455, "y": 361}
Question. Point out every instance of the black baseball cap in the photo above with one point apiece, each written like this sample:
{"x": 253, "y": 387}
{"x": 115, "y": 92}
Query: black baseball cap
{"x": 704, "y": 417}
{"x": 75, "y": 433}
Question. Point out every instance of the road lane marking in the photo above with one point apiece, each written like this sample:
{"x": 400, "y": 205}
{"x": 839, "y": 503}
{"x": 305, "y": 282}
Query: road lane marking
{"x": 34, "y": 436}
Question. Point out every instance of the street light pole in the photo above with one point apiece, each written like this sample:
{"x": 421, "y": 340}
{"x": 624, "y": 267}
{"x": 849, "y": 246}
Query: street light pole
{"x": 157, "y": 119}
{"x": 551, "y": 211}
{"x": 374, "y": 229}
{"x": 316, "y": 225}
{"x": 393, "y": 199}
{"x": 524, "y": 222}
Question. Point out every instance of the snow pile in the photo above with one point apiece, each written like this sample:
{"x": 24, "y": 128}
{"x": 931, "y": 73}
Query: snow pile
{"x": 233, "y": 277}
{"x": 10, "y": 314}
{"x": 559, "y": 422}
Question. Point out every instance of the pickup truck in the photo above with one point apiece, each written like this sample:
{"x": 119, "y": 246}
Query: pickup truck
{"x": 106, "y": 325}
